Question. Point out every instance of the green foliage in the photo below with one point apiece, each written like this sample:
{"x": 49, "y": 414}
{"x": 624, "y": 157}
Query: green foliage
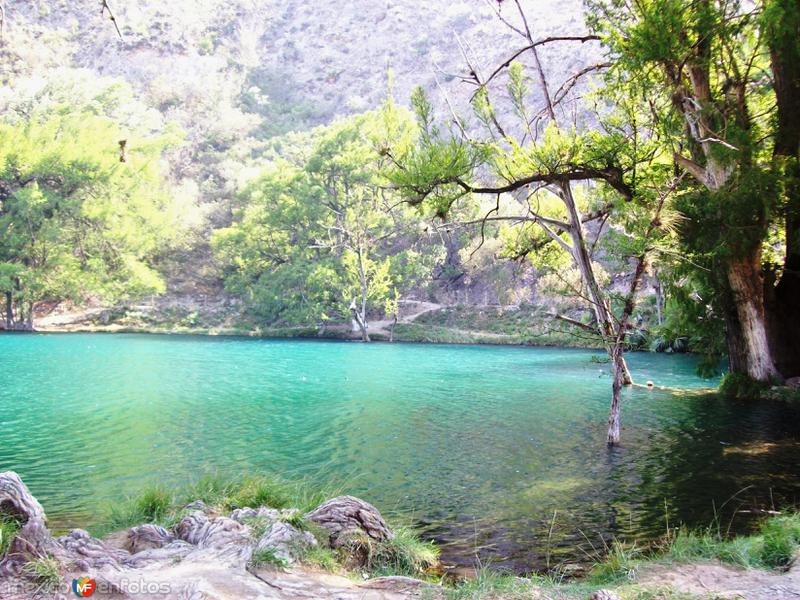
{"x": 322, "y": 232}
{"x": 9, "y": 527}
{"x": 267, "y": 557}
{"x": 154, "y": 505}
{"x": 781, "y": 540}
{"x": 740, "y": 386}
{"x": 74, "y": 219}
{"x": 773, "y": 547}
{"x": 403, "y": 554}
{"x": 45, "y": 571}
{"x": 617, "y": 566}
{"x": 257, "y": 490}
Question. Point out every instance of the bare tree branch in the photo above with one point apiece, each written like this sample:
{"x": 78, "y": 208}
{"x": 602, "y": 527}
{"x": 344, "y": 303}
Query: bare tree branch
{"x": 105, "y": 7}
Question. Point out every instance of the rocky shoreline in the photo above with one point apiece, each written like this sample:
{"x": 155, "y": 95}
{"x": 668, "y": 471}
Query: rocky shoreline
{"x": 258, "y": 552}
{"x": 205, "y": 555}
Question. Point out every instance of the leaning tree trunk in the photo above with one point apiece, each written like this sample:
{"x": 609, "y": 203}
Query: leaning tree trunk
{"x": 583, "y": 261}
{"x": 748, "y": 342}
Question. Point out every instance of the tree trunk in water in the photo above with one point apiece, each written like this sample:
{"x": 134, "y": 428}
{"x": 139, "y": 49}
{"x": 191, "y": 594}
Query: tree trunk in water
{"x": 391, "y": 328}
{"x": 619, "y": 370}
{"x": 747, "y": 337}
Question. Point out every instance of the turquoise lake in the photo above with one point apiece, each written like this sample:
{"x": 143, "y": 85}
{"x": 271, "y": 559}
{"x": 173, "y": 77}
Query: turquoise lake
{"x": 475, "y": 445}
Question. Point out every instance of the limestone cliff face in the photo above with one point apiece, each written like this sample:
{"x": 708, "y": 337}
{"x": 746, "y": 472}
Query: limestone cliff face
{"x": 275, "y": 65}
{"x": 235, "y": 73}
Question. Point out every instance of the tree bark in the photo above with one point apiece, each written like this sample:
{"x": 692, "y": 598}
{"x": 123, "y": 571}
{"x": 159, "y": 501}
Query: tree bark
{"x": 619, "y": 369}
{"x": 748, "y": 342}
{"x": 583, "y": 260}
{"x": 783, "y": 307}
{"x": 9, "y": 311}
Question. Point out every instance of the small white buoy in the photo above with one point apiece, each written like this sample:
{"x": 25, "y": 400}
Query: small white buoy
{"x": 650, "y": 384}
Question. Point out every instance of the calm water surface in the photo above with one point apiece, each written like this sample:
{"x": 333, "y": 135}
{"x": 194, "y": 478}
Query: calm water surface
{"x": 477, "y": 445}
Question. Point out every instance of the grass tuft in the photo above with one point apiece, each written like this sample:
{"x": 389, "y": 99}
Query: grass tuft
{"x": 404, "y": 554}
{"x": 266, "y": 557}
{"x": 255, "y": 491}
{"x": 773, "y": 547}
{"x": 781, "y": 540}
{"x": 46, "y": 571}
{"x": 9, "y": 527}
{"x": 620, "y": 564}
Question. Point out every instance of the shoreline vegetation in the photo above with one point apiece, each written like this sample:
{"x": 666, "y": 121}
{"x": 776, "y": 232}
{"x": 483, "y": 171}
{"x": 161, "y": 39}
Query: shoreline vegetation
{"x": 294, "y": 529}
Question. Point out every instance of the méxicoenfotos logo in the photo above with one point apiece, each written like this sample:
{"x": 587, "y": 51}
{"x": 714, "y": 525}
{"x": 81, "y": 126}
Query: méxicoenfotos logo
{"x": 83, "y": 587}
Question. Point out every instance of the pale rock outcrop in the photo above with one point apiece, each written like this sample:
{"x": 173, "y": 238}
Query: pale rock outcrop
{"x": 286, "y": 542}
{"x": 344, "y": 516}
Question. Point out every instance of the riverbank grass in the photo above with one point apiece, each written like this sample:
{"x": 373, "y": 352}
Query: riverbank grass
{"x": 772, "y": 548}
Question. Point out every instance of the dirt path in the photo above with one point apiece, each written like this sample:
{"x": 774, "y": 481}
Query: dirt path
{"x": 721, "y": 581}
{"x": 418, "y": 309}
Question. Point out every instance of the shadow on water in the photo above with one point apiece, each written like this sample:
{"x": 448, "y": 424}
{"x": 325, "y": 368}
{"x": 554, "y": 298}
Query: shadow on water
{"x": 722, "y": 464}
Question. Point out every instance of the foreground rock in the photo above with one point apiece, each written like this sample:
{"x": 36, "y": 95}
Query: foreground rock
{"x": 203, "y": 557}
{"x": 347, "y": 516}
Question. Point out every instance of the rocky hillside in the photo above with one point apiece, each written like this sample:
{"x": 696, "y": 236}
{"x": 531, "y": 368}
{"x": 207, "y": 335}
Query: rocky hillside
{"x": 271, "y": 65}
{"x": 232, "y": 74}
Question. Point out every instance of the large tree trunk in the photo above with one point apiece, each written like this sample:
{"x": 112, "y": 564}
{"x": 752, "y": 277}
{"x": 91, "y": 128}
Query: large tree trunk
{"x": 783, "y": 301}
{"x": 747, "y": 337}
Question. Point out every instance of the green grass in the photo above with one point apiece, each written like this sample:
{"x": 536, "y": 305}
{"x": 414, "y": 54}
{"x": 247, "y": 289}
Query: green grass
{"x": 491, "y": 585}
{"x": 619, "y": 565}
{"x": 322, "y": 557}
{"x": 8, "y": 531}
{"x": 257, "y": 490}
{"x": 267, "y": 557}
{"x": 45, "y": 571}
{"x": 154, "y": 505}
{"x": 777, "y": 541}
{"x": 160, "y": 506}
{"x": 404, "y": 554}
{"x": 773, "y": 547}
